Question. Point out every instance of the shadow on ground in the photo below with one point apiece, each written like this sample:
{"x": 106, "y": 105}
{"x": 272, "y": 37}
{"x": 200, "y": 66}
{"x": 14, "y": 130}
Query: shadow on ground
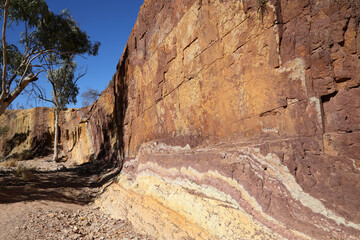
{"x": 78, "y": 185}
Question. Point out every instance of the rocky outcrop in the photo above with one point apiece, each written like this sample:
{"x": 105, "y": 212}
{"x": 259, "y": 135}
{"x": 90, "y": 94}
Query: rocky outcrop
{"x": 26, "y": 131}
{"x": 215, "y": 71}
{"x": 239, "y": 120}
{"x": 87, "y": 134}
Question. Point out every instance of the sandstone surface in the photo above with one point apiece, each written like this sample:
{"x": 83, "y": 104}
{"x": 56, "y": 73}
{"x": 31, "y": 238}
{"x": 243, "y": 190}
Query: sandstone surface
{"x": 86, "y": 134}
{"x": 240, "y": 120}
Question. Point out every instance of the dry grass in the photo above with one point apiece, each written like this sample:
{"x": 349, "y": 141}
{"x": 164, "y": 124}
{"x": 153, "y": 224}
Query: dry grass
{"x": 9, "y": 163}
{"x": 4, "y": 130}
{"x": 25, "y": 172}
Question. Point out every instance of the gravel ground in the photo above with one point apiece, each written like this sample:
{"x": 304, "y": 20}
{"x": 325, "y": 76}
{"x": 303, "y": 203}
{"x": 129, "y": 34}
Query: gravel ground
{"x": 54, "y": 220}
{"x": 55, "y": 202}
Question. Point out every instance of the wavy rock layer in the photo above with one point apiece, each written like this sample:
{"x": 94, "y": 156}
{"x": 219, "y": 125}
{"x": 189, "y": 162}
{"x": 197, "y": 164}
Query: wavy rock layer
{"x": 226, "y": 191}
{"x": 262, "y": 101}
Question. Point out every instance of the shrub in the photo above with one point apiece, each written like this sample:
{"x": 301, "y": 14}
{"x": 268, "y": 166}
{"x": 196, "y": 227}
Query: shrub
{"x": 26, "y": 155}
{"x": 4, "y": 130}
{"x": 24, "y": 172}
{"x": 9, "y": 163}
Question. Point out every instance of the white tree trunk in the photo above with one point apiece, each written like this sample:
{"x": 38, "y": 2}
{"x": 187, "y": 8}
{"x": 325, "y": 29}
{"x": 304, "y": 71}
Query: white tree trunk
{"x": 56, "y": 130}
{"x": 3, "y": 39}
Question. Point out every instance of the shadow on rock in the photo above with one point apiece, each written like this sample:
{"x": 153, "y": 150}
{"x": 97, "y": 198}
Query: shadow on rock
{"x": 78, "y": 185}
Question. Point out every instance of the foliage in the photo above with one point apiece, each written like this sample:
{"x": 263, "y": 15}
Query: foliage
{"x": 63, "y": 83}
{"x": 90, "y": 96}
{"x": 44, "y": 33}
{"x": 29, "y": 11}
{"x": 64, "y": 87}
{"x": 4, "y": 130}
{"x": 14, "y": 58}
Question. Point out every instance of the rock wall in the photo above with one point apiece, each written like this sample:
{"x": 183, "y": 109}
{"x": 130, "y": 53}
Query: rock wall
{"x": 26, "y": 131}
{"x": 240, "y": 120}
{"x": 215, "y": 71}
{"x": 86, "y": 134}
{"x": 89, "y": 133}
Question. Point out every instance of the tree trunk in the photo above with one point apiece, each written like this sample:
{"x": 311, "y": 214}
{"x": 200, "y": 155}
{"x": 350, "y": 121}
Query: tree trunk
{"x": 3, "y": 39}
{"x": 56, "y": 130}
{"x": 3, "y": 107}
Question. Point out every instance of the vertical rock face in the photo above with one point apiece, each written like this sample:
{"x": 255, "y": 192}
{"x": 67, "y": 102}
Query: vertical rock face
{"x": 89, "y": 133}
{"x": 86, "y": 134}
{"x": 253, "y": 110}
{"x": 26, "y": 131}
{"x": 215, "y": 71}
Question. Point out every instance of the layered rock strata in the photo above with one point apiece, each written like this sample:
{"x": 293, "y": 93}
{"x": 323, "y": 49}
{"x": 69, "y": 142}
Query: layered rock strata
{"x": 230, "y": 191}
{"x": 253, "y": 110}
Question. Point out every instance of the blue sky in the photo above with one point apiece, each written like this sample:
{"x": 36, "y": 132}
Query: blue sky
{"x": 109, "y": 22}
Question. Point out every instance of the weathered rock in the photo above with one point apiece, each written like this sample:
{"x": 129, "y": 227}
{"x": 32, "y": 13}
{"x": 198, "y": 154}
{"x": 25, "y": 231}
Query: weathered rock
{"x": 54, "y": 220}
{"x": 86, "y": 134}
{"x": 26, "y": 130}
{"x": 230, "y": 191}
{"x": 89, "y": 134}
{"x": 262, "y": 102}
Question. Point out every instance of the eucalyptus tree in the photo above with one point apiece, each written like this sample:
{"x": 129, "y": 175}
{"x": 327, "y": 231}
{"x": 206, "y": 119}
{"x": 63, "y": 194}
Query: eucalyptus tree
{"x": 44, "y": 33}
{"x": 64, "y": 89}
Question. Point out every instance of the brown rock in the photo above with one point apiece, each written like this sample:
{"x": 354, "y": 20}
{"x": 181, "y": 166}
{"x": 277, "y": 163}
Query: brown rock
{"x": 86, "y": 134}
{"x": 220, "y": 77}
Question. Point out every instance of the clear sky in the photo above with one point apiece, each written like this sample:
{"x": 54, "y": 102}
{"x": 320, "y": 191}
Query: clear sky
{"x": 109, "y": 22}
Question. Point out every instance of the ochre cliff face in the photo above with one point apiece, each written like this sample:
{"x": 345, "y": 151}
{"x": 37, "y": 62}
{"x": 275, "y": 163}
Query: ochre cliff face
{"x": 253, "y": 114}
{"x": 216, "y": 72}
{"x": 26, "y": 130}
{"x": 89, "y": 133}
{"x": 86, "y": 134}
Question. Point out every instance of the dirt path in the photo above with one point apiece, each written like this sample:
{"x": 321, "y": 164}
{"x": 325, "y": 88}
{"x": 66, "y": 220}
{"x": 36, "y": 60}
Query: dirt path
{"x": 40, "y": 199}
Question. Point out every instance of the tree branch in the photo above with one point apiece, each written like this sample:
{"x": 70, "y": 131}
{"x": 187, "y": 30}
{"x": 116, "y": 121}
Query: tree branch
{"x": 29, "y": 63}
{"x": 80, "y": 76}
{"x": 9, "y": 83}
{"x": 39, "y": 94}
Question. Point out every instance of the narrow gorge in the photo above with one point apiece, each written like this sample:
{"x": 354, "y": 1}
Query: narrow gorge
{"x": 229, "y": 119}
